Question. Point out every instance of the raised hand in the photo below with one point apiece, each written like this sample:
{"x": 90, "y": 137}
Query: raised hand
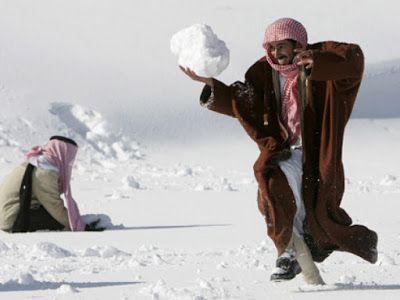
{"x": 195, "y": 77}
{"x": 304, "y": 58}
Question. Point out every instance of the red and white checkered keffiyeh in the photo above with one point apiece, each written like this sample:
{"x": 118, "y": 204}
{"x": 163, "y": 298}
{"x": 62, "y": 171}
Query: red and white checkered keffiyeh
{"x": 283, "y": 29}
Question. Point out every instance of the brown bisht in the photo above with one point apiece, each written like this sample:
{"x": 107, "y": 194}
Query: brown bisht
{"x": 327, "y": 94}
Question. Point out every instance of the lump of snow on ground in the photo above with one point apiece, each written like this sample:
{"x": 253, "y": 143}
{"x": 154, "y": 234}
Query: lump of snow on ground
{"x": 199, "y": 49}
{"x": 129, "y": 182}
{"x": 105, "y": 221}
{"x": 226, "y": 185}
{"x": 6, "y": 137}
{"x": 347, "y": 279}
{"x": 44, "y": 250}
{"x": 104, "y": 252}
{"x": 22, "y": 279}
{"x": 201, "y": 188}
{"x": 388, "y": 180}
{"x": 3, "y": 247}
{"x": 202, "y": 290}
{"x": 385, "y": 260}
{"x": 66, "y": 289}
{"x": 90, "y": 126}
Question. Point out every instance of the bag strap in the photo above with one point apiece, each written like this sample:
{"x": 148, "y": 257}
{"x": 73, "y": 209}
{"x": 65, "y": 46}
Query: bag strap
{"x": 22, "y": 221}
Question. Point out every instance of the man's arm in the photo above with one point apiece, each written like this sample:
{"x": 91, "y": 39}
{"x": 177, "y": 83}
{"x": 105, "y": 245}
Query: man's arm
{"x": 336, "y": 61}
{"x": 215, "y": 95}
{"x": 246, "y": 99}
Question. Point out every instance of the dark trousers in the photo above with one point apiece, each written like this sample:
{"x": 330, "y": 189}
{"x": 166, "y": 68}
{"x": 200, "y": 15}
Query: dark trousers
{"x": 40, "y": 219}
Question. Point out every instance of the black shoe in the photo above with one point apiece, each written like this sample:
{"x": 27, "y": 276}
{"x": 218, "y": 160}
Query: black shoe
{"x": 287, "y": 268}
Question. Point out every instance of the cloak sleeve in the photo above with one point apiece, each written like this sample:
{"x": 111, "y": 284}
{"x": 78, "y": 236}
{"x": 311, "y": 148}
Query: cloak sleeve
{"x": 337, "y": 61}
{"x": 249, "y": 102}
{"x": 218, "y": 98}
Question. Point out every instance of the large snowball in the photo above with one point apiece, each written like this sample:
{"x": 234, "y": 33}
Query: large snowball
{"x": 199, "y": 49}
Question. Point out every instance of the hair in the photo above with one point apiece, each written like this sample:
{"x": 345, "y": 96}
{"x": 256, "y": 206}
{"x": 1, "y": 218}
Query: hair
{"x": 64, "y": 139}
{"x": 294, "y": 42}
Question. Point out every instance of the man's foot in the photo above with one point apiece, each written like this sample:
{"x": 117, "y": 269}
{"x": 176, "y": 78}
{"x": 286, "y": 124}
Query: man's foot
{"x": 287, "y": 267}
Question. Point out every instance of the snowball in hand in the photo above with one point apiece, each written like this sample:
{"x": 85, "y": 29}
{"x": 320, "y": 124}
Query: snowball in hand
{"x": 199, "y": 49}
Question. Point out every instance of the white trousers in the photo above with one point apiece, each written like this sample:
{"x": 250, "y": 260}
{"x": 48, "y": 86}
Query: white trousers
{"x": 293, "y": 170}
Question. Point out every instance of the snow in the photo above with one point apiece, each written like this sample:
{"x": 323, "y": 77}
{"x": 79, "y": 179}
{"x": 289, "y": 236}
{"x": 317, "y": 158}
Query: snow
{"x": 90, "y": 125}
{"x": 173, "y": 241}
{"x": 171, "y": 182}
{"x": 199, "y": 49}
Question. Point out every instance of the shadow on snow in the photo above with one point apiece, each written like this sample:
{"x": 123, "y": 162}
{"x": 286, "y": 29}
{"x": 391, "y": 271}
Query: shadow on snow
{"x": 169, "y": 227}
{"x": 350, "y": 287}
{"x": 47, "y": 285}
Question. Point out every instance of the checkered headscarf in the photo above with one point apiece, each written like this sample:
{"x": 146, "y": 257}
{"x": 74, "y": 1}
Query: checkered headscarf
{"x": 284, "y": 29}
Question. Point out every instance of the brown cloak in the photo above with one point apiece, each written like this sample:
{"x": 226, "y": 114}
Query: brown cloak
{"x": 327, "y": 95}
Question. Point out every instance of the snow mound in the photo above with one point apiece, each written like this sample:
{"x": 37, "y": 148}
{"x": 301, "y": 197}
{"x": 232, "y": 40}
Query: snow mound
{"x": 388, "y": 180}
{"x": 3, "y": 247}
{"x": 104, "y": 252}
{"x": 199, "y": 49}
{"x": 347, "y": 279}
{"x": 184, "y": 171}
{"x": 226, "y": 185}
{"x": 6, "y": 137}
{"x": 385, "y": 260}
{"x": 23, "y": 279}
{"x": 202, "y": 187}
{"x": 44, "y": 250}
{"x": 105, "y": 221}
{"x": 129, "y": 182}
{"x": 90, "y": 126}
{"x": 202, "y": 290}
{"x": 66, "y": 289}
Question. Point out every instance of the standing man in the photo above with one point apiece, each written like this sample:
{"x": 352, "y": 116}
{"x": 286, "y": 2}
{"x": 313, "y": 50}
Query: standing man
{"x": 295, "y": 103}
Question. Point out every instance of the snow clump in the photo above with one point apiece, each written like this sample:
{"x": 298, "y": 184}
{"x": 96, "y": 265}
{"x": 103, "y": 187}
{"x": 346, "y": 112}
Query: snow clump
{"x": 199, "y": 49}
{"x": 3, "y": 247}
{"x": 388, "y": 180}
{"x": 104, "y": 221}
{"x": 43, "y": 250}
{"x": 23, "y": 279}
{"x": 347, "y": 279}
{"x": 104, "y": 252}
{"x": 129, "y": 182}
{"x": 91, "y": 128}
{"x": 66, "y": 289}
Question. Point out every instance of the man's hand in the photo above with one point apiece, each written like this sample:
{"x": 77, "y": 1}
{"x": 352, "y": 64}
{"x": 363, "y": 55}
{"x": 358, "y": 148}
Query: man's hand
{"x": 196, "y": 77}
{"x": 92, "y": 226}
{"x": 304, "y": 58}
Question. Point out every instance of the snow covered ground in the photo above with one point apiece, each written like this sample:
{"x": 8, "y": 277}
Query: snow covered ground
{"x": 172, "y": 181}
{"x": 185, "y": 225}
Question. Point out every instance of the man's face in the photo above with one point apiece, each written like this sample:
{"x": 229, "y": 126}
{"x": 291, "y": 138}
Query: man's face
{"x": 282, "y": 52}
